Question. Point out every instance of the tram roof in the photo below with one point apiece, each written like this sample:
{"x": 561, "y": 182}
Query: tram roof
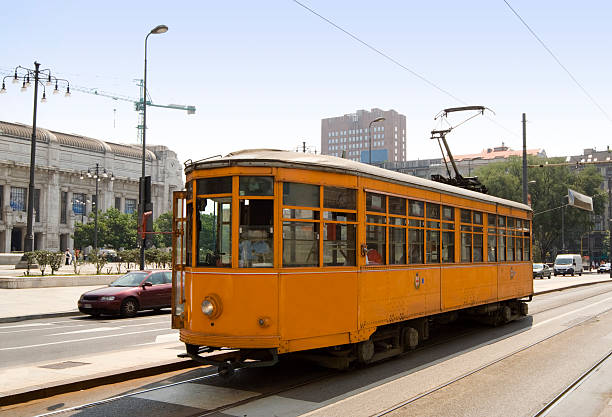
{"x": 288, "y": 159}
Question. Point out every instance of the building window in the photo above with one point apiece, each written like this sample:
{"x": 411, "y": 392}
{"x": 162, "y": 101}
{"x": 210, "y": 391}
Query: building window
{"x": 63, "y": 207}
{"x": 18, "y": 198}
{"x": 118, "y": 203}
{"x": 1, "y": 200}
{"x": 130, "y": 205}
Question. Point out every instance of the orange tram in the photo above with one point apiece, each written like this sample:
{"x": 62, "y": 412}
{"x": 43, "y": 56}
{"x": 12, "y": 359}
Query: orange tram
{"x": 278, "y": 252}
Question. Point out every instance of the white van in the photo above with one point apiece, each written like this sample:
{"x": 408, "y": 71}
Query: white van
{"x": 569, "y": 264}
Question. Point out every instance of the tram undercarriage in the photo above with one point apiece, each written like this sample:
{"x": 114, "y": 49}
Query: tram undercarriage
{"x": 386, "y": 342}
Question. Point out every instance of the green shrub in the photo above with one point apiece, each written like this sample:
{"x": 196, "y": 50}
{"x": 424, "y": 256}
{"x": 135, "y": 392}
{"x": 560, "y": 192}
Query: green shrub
{"x": 42, "y": 258}
{"x": 55, "y": 261}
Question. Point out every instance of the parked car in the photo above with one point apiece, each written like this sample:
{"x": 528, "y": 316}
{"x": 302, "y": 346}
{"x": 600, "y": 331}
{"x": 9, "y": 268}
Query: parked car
{"x": 134, "y": 291}
{"x": 541, "y": 271}
{"x": 604, "y": 268}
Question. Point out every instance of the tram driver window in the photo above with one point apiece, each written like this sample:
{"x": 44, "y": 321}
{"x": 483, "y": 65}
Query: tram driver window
{"x": 214, "y": 231}
{"x": 256, "y": 234}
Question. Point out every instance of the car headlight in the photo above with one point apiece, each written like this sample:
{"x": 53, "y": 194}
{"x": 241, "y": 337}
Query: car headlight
{"x": 107, "y": 298}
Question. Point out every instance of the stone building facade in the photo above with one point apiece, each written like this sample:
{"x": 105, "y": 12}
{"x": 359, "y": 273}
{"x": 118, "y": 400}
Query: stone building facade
{"x": 64, "y": 193}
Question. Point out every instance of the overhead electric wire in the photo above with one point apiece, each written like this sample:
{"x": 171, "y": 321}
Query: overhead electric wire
{"x": 396, "y": 62}
{"x": 601, "y": 109}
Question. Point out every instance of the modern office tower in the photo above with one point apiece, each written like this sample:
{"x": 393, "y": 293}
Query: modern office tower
{"x": 348, "y": 136}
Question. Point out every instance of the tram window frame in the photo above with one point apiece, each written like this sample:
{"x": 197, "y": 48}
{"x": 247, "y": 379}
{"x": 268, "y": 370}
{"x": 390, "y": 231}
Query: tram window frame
{"x": 396, "y": 212}
{"x": 339, "y": 219}
{"x": 491, "y": 237}
{"x": 221, "y": 257}
{"x": 501, "y": 238}
{"x": 376, "y": 228}
{"x": 472, "y": 236}
{"x": 416, "y": 232}
{"x": 433, "y": 247}
{"x": 447, "y": 234}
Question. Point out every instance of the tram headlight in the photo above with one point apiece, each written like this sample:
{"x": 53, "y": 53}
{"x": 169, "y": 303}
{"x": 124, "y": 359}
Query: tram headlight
{"x": 208, "y": 307}
{"x": 212, "y": 306}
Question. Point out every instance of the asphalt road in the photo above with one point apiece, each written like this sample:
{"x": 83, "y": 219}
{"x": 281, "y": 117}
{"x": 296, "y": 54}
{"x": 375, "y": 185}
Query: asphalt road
{"x": 513, "y": 369}
{"x": 59, "y": 339}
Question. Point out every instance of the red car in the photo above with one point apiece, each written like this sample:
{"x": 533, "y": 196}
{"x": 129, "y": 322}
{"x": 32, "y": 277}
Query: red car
{"x": 134, "y": 291}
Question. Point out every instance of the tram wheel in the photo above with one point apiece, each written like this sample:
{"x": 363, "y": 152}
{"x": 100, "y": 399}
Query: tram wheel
{"x": 365, "y": 351}
{"x": 226, "y": 370}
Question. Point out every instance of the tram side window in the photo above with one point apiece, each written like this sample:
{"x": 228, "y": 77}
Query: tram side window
{"x": 491, "y": 238}
{"x": 214, "y": 242}
{"x": 256, "y": 234}
{"x": 416, "y": 232}
{"x": 339, "y": 227}
{"x": 471, "y": 236}
{"x": 397, "y": 231}
{"x": 510, "y": 239}
{"x": 448, "y": 234}
{"x": 301, "y": 225}
{"x": 526, "y": 241}
{"x": 300, "y": 244}
{"x": 376, "y": 230}
{"x": 432, "y": 238}
{"x": 501, "y": 238}
{"x": 188, "y": 233}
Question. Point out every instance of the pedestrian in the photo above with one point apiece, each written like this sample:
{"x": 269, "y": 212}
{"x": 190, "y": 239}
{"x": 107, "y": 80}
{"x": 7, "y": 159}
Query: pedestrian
{"x": 68, "y": 256}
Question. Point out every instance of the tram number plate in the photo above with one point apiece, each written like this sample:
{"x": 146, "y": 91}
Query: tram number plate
{"x": 86, "y": 305}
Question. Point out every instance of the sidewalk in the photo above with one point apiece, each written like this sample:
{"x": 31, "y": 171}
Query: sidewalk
{"x": 24, "y": 383}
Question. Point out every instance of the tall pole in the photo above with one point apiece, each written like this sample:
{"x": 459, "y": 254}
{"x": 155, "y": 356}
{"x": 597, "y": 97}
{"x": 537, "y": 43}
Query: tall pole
{"x": 563, "y": 228}
{"x": 29, "y": 240}
{"x": 610, "y": 222}
{"x": 97, "y": 179}
{"x": 378, "y": 119}
{"x": 524, "y": 159}
{"x": 141, "y": 196}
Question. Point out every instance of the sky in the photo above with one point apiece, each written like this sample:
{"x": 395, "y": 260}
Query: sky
{"x": 264, "y": 74}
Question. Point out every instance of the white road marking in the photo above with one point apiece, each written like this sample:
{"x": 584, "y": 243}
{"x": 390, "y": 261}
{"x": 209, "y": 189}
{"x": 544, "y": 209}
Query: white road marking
{"x": 81, "y": 340}
{"x": 570, "y": 312}
{"x": 95, "y": 329}
{"x": 165, "y": 338}
{"x": 26, "y": 325}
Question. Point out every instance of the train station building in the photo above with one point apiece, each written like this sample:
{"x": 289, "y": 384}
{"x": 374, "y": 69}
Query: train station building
{"x": 65, "y": 187}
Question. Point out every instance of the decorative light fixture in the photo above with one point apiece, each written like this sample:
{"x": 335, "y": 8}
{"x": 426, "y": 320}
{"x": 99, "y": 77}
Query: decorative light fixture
{"x": 67, "y": 91}
{"x": 55, "y": 90}
{"x": 39, "y": 78}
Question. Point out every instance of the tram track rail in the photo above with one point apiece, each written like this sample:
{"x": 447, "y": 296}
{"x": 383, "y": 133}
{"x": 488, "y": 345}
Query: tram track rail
{"x": 571, "y": 387}
{"x": 496, "y": 361}
{"x": 331, "y": 374}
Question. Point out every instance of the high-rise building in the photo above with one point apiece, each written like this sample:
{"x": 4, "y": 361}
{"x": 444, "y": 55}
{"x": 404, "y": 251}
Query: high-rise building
{"x": 347, "y": 136}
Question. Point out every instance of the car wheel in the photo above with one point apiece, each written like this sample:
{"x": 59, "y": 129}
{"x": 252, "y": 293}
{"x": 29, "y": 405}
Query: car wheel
{"x": 129, "y": 307}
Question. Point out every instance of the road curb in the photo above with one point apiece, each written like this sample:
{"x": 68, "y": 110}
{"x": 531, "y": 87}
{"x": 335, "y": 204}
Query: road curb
{"x": 92, "y": 382}
{"x": 40, "y": 316}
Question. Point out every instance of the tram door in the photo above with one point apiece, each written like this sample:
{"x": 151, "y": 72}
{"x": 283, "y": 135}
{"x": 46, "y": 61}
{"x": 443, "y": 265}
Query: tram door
{"x": 179, "y": 257}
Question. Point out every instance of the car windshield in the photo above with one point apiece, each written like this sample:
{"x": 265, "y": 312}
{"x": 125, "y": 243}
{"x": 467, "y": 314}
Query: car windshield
{"x": 132, "y": 279}
{"x": 538, "y": 266}
{"x": 564, "y": 261}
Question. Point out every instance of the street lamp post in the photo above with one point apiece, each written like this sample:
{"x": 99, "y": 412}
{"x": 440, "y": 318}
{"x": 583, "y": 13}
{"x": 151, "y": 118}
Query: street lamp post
{"x": 94, "y": 173}
{"x": 24, "y": 75}
{"x": 378, "y": 119}
{"x": 159, "y": 29}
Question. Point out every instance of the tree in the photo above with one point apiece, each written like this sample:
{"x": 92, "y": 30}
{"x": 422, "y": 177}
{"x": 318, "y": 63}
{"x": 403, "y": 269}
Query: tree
{"x": 163, "y": 226}
{"x": 504, "y": 179}
{"x": 115, "y": 230}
